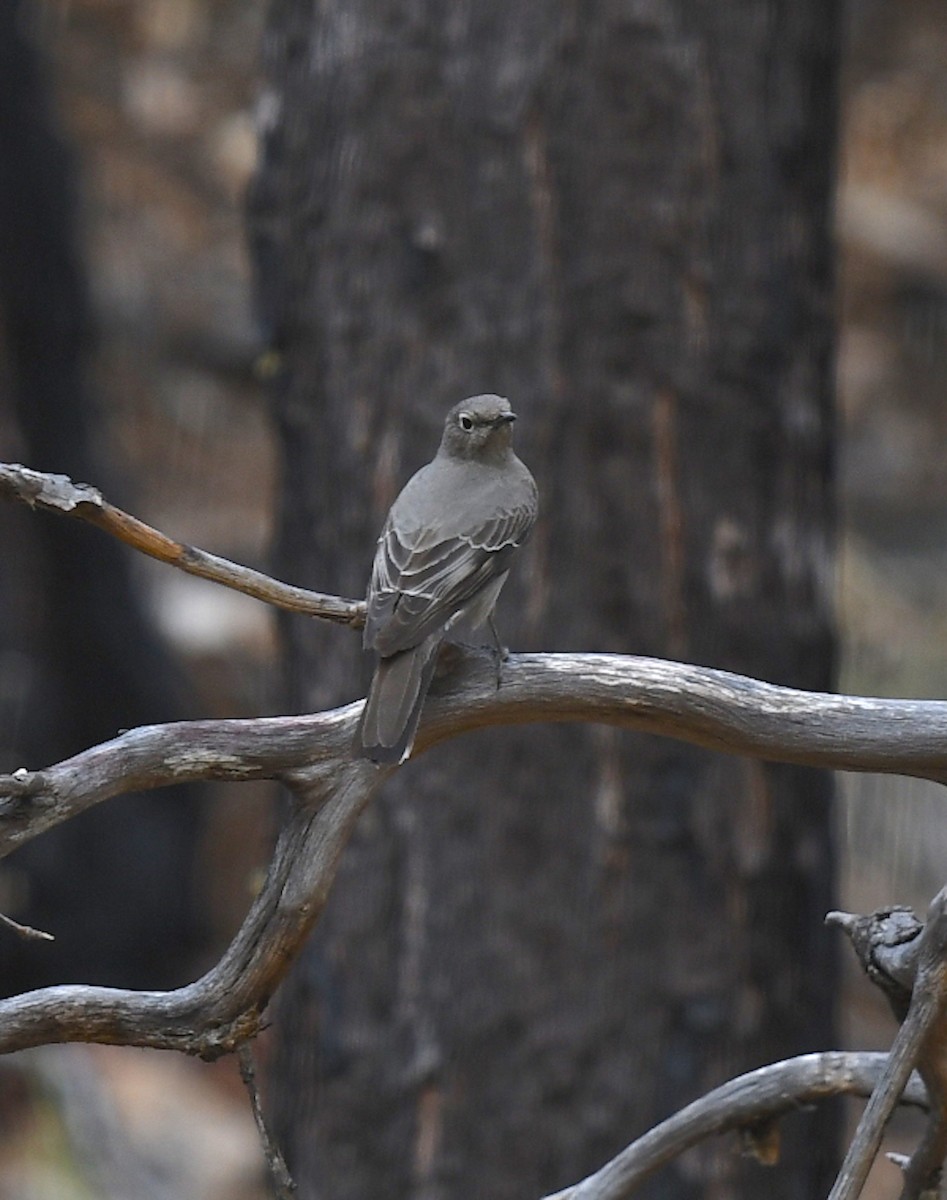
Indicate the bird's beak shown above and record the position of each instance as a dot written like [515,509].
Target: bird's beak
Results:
[504,419]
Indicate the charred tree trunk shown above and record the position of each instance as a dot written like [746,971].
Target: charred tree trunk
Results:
[542,941]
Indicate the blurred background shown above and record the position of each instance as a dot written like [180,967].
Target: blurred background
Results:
[155,102]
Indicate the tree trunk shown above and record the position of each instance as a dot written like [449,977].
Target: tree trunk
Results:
[542,941]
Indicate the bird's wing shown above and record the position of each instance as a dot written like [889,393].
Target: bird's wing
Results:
[419,580]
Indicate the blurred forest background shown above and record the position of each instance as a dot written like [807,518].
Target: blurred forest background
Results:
[156,99]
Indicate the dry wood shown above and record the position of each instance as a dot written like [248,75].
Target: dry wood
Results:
[282,1182]
[58,494]
[909,962]
[749,1101]
[311,756]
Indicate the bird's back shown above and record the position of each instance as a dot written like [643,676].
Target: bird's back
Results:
[450,498]
[449,534]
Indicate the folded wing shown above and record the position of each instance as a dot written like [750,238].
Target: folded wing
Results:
[419,581]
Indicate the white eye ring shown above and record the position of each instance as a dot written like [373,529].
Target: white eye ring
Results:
[465,422]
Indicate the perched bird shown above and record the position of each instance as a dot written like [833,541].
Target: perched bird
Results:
[442,558]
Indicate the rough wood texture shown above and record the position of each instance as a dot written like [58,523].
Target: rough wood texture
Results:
[753,1101]
[908,961]
[311,755]
[222,1011]
[59,494]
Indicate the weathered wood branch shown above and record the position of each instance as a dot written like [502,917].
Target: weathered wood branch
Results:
[743,1104]
[58,494]
[908,961]
[311,755]
[711,708]
[213,1015]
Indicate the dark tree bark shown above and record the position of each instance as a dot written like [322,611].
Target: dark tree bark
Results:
[618,215]
[80,659]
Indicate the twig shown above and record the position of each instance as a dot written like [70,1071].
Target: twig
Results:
[759,1096]
[284,1187]
[26,931]
[58,494]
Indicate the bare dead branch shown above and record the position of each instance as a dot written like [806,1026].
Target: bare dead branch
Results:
[223,1008]
[758,1097]
[711,708]
[26,931]
[716,709]
[922,1175]
[311,755]
[894,947]
[58,494]
[886,943]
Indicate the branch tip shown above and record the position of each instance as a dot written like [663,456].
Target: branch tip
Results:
[841,920]
[26,931]
[284,1186]
[58,494]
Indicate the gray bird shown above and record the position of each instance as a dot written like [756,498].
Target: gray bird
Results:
[442,558]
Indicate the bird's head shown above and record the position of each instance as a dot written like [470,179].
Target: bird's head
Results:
[479,428]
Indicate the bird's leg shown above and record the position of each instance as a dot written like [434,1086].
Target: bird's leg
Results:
[500,652]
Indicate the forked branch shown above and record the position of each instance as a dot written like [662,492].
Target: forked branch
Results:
[908,961]
[745,1105]
[312,756]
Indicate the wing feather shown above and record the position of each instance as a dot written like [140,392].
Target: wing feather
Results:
[420,580]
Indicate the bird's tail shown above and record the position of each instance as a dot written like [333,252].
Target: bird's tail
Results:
[392,709]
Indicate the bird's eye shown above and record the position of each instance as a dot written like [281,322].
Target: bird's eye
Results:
[465,422]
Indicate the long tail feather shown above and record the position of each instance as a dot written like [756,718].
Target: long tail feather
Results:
[392,709]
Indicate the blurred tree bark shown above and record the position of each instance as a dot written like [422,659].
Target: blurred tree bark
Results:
[618,215]
[80,658]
